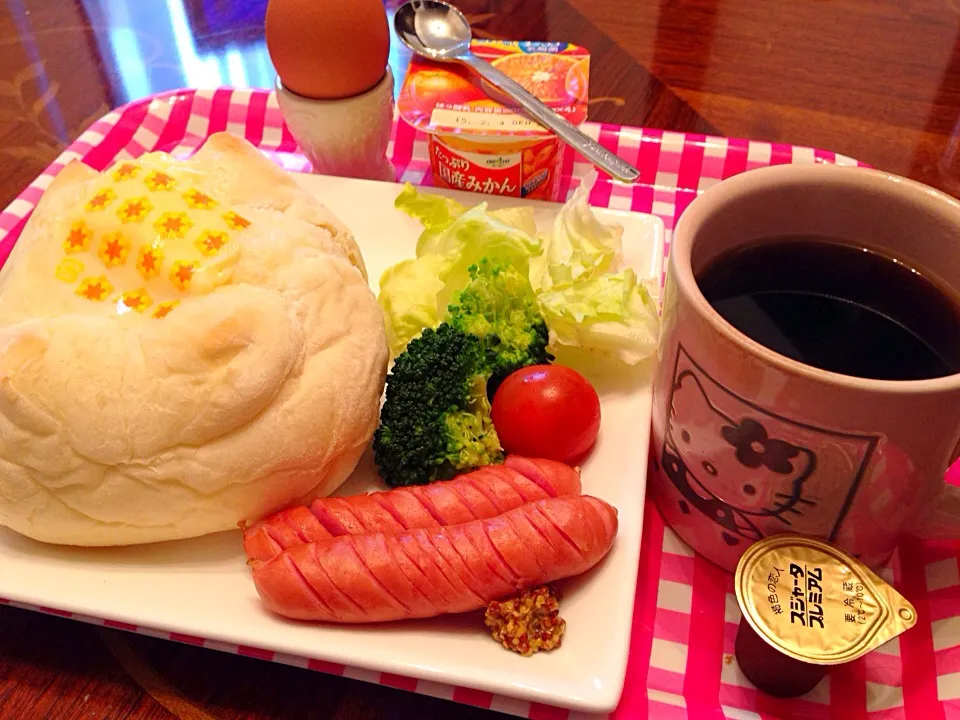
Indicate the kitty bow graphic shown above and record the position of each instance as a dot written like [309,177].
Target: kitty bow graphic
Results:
[736,472]
[755,448]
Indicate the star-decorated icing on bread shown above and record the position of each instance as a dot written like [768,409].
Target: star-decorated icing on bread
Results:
[150,261]
[134,210]
[182,273]
[138,300]
[126,171]
[78,239]
[235,221]
[165,308]
[101,200]
[114,249]
[173,225]
[157,180]
[210,242]
[95,288]
[197,200]
[68,270]
[163,236]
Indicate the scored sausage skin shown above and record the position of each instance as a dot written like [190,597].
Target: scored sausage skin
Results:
[486,492]
[424,572]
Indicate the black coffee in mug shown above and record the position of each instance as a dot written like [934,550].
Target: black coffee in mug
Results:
[838,307]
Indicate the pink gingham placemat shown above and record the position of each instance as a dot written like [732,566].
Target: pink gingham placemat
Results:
[681,657]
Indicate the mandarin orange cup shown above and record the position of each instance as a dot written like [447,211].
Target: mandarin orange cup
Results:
[476,139]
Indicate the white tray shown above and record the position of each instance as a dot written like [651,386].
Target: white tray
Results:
[202,587]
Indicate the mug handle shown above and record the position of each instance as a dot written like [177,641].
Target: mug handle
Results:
[943,520]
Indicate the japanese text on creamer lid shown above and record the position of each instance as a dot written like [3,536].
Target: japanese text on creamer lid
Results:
[815,603]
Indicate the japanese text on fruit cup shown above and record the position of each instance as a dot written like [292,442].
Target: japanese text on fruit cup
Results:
[806,598]
[853,603]
[480,119]
[459,172]
[773,585]
[453,163]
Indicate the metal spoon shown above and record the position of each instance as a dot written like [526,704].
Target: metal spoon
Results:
[439,31]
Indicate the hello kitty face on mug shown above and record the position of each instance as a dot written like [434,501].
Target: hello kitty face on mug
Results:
[732,470]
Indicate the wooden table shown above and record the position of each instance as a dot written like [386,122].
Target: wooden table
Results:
[878,80]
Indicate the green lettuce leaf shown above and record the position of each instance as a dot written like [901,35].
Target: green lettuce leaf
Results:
[477,234]
[520,217]
[611,315]
[588,299]
[408,297]
[414,294]
[437,213]
[580,246]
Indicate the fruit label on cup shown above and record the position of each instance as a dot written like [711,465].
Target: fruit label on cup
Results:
[528,170]
[481,120]
[478,140]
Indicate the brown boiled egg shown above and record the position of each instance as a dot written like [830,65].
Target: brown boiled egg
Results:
[328,49]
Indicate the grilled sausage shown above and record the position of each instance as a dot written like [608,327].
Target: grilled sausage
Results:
[483,493]
[379,577]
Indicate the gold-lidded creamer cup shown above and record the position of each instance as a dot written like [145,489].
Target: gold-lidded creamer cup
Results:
[808,606]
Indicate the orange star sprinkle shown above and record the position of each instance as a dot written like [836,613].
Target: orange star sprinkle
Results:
[137,300]
[236,222]
[101,200]
[159,181]
[114,249]
[94,288]
[126,171]
[210,242]
[173,225]
[164,308]
[134,210]
[149,261]
[199,201]
[78,240]
[182,273]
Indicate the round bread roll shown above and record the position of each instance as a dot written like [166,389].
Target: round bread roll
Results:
[183,346]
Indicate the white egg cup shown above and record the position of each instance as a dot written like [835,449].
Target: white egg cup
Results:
[346,137]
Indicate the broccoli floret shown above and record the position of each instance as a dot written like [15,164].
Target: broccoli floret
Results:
[435,421]
[499,307]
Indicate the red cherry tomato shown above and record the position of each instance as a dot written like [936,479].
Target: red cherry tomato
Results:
[547,411]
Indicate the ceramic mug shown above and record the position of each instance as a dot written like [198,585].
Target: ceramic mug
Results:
[748,443]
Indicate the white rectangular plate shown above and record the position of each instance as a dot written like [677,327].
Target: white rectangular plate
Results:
[202,587]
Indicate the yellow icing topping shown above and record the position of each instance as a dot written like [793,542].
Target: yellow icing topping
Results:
[101,200]
[159,181]
[150,261]
[173,225]
[126,171]
[182,273]
[137,300]
[164,308]
[236,222]
[134,210]
[113,250]
[198,200]
[68,270]
[94,288]
[142,246]
[211,241]
[78,239]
